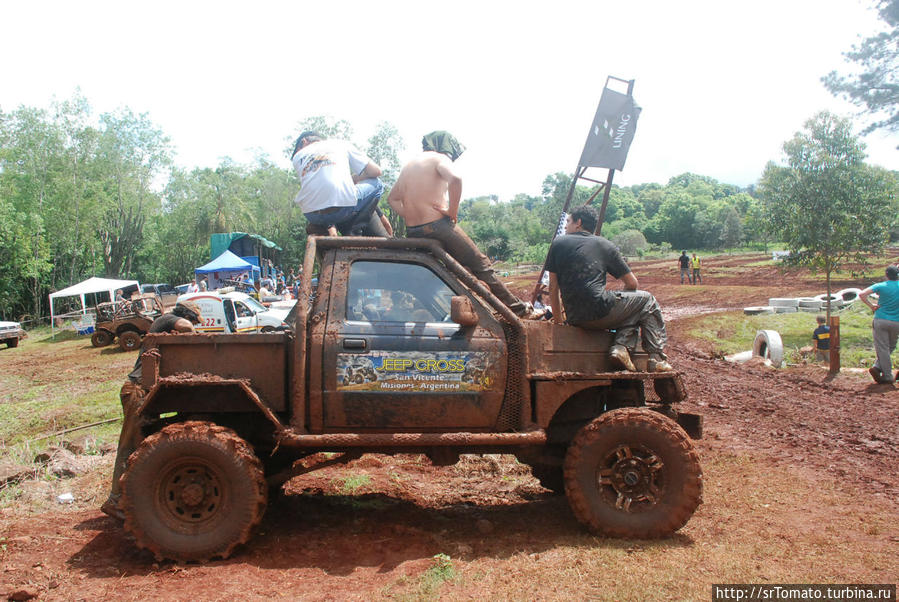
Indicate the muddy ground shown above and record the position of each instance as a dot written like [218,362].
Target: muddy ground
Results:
[329,537]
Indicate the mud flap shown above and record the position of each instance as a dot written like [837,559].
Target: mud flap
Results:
[691,423]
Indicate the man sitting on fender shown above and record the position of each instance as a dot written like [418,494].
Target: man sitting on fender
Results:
[577,264]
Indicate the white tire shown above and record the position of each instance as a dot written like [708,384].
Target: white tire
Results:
[784,302]
[758,309]
[768,345]
[833,298]
[848,294]
[786,310]
[810,305]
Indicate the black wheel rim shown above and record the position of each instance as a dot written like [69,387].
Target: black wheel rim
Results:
[631,478]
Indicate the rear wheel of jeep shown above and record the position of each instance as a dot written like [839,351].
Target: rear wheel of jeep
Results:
[129,340]
[101,338]
[12,343]
[633,473]
[193,491]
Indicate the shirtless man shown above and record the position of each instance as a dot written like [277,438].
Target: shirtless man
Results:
[427,195]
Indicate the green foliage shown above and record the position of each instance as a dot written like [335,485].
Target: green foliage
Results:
[826,204]
[875,84]
[733,332]
[441,570]
[349,484]
[84,195]
[631,242]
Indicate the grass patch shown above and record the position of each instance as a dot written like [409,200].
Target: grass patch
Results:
[441,570]
[350,484]
[732,332]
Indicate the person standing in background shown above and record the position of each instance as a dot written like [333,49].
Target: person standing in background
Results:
[886,323]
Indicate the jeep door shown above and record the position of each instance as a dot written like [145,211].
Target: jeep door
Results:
[391,357]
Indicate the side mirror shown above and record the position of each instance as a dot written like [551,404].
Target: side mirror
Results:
[462,311]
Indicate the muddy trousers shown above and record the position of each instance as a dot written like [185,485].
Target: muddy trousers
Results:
[685,273]
[633,311]
[130,396]
[886,333]
[462,248]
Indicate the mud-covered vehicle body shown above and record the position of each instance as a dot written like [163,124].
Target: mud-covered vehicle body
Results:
[11,333]
[225,417]
[128,321]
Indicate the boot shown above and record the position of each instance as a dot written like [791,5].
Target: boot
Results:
[658,363]
[621,358]
[875,373]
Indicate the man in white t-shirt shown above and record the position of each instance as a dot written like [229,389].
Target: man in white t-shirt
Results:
[339,185]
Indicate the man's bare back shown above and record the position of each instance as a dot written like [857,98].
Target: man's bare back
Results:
[420,193]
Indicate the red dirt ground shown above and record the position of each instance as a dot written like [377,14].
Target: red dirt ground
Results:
[319,543]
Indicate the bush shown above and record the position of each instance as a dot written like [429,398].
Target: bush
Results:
[631,242]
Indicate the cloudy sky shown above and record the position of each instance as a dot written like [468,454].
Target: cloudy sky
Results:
[722,84]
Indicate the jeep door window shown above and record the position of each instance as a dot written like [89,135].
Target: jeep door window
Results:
[396,292]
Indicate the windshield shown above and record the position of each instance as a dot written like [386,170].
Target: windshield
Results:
[254,305]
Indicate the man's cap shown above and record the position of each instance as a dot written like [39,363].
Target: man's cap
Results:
[892,272]
[440,141]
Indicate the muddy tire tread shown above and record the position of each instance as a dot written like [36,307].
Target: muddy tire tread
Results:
[192,431]
[645,419]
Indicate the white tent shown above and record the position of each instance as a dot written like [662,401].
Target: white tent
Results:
[91,285]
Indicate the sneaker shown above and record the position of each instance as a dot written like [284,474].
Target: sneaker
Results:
[875,373]
[657,364]
[621,358]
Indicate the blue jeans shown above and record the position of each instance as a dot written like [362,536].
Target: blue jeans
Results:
[367,194]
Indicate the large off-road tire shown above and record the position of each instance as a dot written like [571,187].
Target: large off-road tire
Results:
[129,340]
[12,343]
[193,491]
[102,338]
[633,473]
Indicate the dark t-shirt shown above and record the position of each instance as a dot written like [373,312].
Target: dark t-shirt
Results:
[580,262]
[684,262]
[822,335]
[164,323]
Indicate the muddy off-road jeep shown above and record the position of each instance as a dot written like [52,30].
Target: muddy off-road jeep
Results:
[224,418]
[128,321]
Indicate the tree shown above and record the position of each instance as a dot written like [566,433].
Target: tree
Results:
[876,85]
[630,242]
[826,203]
[732,230]
[384,147]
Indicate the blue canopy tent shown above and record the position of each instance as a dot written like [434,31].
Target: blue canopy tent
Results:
[227,266]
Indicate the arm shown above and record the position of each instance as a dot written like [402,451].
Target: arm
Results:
[555,300]
[864,297]
[371,170]
[395,198]
[630,281]
[454,185]
[183,325]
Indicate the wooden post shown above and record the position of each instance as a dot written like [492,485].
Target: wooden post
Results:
[834,344]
